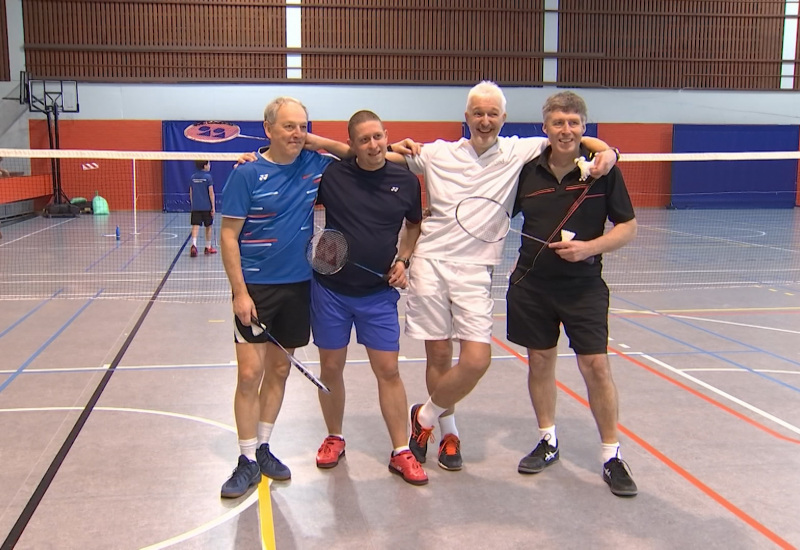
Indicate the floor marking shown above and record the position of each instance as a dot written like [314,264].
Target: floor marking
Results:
[35,232]
[728,369]
[708,491]
[729,397]
[199,530]
[265,514]
[734,324]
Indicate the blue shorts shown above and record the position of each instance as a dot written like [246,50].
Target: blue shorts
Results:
[375,318]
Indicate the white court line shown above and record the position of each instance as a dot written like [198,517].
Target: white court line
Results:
[199,530]
[735,324]
[731,369]
[35,232]
[746,405]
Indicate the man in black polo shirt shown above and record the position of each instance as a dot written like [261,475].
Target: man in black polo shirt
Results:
[561,282]
[367,199]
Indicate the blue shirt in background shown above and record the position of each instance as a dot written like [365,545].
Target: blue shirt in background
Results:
[201,181]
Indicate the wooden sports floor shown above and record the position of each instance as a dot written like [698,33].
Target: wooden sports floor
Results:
[117,375]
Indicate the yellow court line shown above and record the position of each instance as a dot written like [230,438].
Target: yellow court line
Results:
[265,514]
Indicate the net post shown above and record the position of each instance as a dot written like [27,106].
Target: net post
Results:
[135,208]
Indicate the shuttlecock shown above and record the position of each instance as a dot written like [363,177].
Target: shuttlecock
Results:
[584,166]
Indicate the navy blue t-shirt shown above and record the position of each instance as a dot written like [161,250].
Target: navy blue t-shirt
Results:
[201,181]
[276,202]
[368,207]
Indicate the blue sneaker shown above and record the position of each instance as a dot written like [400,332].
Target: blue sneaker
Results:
[270,465]
[243,477]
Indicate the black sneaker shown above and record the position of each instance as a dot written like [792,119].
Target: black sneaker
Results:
[540,458]
[450,453]
[616,474]
[243,477]
[270,465]
[418,442]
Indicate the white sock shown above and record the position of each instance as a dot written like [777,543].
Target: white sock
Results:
[549,431]
[611,450]
[264,432]
[247,447]
[194,241]
[448,425]
[428,413]
[399,450]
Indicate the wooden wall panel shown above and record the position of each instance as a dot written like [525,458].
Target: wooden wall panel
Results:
[155,41]
[418,41]
[730,44]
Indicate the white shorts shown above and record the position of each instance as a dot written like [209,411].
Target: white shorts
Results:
[449,300]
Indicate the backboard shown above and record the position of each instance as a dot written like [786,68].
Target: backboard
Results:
[47,95]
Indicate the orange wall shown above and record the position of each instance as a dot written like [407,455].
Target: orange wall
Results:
[24,187]
[112,178]
[648,183]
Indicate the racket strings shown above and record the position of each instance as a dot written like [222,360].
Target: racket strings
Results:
[483,219]
[327,252]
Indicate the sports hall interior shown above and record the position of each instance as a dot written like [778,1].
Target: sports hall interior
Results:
[117,363]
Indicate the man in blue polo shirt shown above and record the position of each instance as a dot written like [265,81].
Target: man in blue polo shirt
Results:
[268,209]
[367,199]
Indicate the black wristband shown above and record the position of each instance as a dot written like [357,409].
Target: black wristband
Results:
[389,148]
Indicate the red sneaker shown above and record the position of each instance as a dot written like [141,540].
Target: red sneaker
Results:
[329,453]
[405,465]
[193,251]
[210,250]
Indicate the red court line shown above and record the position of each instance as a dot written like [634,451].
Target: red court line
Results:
[739,513]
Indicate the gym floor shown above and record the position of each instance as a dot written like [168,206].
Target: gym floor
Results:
[116,417]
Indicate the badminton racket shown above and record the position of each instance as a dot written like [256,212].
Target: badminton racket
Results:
[487,220]
[328,253]
[258,328]
[215,132]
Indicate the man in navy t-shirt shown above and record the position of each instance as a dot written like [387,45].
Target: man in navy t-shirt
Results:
[366,199]
[268,209]
[201,198]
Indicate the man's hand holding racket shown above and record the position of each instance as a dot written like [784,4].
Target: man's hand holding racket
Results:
[397,276]
[244,308]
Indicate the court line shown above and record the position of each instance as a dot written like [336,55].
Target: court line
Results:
[200,529]
[31,312]
[727,369]
[33,503]
[142,249]
[47,342]
[729,397]
[708,491]
[716,356]
[35,232]
[265,518]
[746,325]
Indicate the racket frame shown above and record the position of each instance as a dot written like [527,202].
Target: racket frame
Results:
[341,264]
[292,359]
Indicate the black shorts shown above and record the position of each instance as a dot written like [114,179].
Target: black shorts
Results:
[284,309]
[535,311]
[202,217]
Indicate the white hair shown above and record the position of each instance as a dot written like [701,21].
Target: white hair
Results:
[487,88]
[271,110]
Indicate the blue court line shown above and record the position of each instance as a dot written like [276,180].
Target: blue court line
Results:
[715,355]
[31,312]
[136,255]
[49,341]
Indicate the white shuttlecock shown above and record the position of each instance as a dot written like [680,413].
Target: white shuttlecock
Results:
[584,166]
[567,235]
[90,166]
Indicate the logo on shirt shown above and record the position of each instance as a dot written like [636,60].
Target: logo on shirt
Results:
[263,177]
[395,189]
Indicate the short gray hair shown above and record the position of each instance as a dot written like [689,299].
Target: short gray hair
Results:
[566,102]
[272,108]
[487,88]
